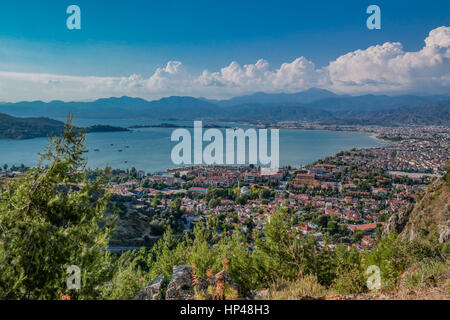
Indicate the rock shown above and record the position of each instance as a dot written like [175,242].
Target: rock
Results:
[444,237]
[262,294]
[152,291]
[428,218]
[180,286]
[397,222]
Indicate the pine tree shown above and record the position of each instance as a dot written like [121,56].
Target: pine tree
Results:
[51,219]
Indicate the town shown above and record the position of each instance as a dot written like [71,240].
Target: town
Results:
[345,198]
[341,199]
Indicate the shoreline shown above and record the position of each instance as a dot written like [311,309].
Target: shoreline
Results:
[170,166]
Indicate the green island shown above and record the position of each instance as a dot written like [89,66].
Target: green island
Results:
[28,128]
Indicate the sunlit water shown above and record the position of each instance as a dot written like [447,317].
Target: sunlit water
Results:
[149,149]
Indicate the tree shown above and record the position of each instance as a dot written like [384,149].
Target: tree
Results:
[52,219]
[214,202]
[264,194]
[133,172]
[155,202]
[279,254]
[175,205]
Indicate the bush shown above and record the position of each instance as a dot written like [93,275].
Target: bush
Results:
[427,273]
[350,277]
[297,289]
[128,278]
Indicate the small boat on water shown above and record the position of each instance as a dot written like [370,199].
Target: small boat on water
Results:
[126,161]
[120,150]
[96,149]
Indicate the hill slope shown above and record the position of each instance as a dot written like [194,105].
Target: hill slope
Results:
[27,128]
[311,106]
[428,218]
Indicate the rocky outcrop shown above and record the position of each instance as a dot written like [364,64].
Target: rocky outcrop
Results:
[153,290]
[444,236]
[397,222]
[429,218]
[186,285]
[180,286]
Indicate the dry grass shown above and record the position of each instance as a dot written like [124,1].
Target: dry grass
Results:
[306,286]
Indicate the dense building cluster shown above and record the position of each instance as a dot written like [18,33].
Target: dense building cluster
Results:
[340,199]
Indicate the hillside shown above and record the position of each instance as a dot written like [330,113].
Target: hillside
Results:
[314,105]
[437,113]
[429,218]
[28,128]
[307,96]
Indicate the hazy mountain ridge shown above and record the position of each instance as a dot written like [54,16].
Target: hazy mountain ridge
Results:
[307,96]
[314,105]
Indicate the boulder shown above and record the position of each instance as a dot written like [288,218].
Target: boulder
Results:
[152,291]
[397,222]
[180,286]
[444,237]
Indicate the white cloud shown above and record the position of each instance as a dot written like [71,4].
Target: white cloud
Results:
[381,68]
[387,68]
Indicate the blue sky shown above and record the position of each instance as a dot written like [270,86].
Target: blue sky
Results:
[136,37]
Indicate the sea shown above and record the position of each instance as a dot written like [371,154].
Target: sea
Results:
[149,149]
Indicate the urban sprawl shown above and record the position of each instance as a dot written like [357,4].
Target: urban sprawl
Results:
[345,198]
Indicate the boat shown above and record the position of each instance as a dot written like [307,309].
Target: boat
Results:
[96,149]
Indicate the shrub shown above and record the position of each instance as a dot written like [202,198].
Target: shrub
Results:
[305,286]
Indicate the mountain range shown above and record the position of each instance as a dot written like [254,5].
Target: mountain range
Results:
[313,105]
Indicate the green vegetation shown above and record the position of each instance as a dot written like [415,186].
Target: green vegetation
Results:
[287,266]
[54,217]
[51,219]
[447,176]
[27,128]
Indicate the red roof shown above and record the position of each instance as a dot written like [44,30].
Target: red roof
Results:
[366,226]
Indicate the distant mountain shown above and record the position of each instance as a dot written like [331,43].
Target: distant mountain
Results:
[124,107]
[307,96]
[272,112]
[27,128]
[437,113]
[314,105]
[373,102]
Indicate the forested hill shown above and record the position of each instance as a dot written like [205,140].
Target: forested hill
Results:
[309,106]
[27,128]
